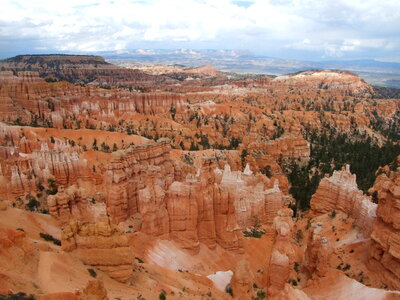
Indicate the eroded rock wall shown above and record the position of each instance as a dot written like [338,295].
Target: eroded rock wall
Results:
[385,245]
[212,206]
[340,192]
[136,181]
[21,172]
[101,245]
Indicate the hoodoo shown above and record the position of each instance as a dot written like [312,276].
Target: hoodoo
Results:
[177,182]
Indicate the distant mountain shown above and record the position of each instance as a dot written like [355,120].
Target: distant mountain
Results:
[82,69]
[242,61]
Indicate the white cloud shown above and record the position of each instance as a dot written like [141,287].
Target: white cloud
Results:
[330,28]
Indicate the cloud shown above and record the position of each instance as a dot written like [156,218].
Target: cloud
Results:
[322,28]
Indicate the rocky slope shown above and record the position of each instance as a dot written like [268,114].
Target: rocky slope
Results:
[193,185]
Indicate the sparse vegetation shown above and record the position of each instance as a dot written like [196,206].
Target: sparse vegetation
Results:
[296,266]
[50,238]
[33,204]
[266,171]
[17,296]
[162,295]
[52,187]
[187,159]
[346,267]
[292,282]
[228,289]
[260,295]
[299,236]
[140,261]
[331,151]
[92,273]
[243,156]
[255,231]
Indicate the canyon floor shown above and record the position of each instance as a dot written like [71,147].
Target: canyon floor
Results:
[171,182]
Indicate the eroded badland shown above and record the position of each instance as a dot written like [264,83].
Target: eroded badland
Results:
[189,184]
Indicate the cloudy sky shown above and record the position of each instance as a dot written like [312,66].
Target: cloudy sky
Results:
[300,29]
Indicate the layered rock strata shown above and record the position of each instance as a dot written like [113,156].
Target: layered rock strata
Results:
[28,99]
[290,147]
[340,192]
[136,181]
[212,206]
[385,245]
[22,172]
[101,245]
[71,203]
[81,69]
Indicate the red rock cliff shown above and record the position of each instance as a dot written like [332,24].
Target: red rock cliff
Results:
[102,245]
[385,246]
[340,192]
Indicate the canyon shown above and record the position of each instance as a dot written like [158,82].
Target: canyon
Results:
[183,183]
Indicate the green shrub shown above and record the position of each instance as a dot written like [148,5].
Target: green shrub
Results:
[92,273]
[228,289]
[260,295]
[256,231]
[163,295]
[52,187]
[17,296]
[140,261]
[50,238]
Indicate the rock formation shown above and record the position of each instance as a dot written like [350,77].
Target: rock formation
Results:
[292,147]
[81,69]
[71,203]
[242,281]
[218,209]
[24,171]
[385,246]
[136,180]
[291,293]
[186,165]
[346,82]
[101,245]
[282,257]
[318,252]
[212,206]
[58,296]
[340,192]
[94,290]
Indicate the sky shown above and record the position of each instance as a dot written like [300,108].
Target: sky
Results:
[293,29]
